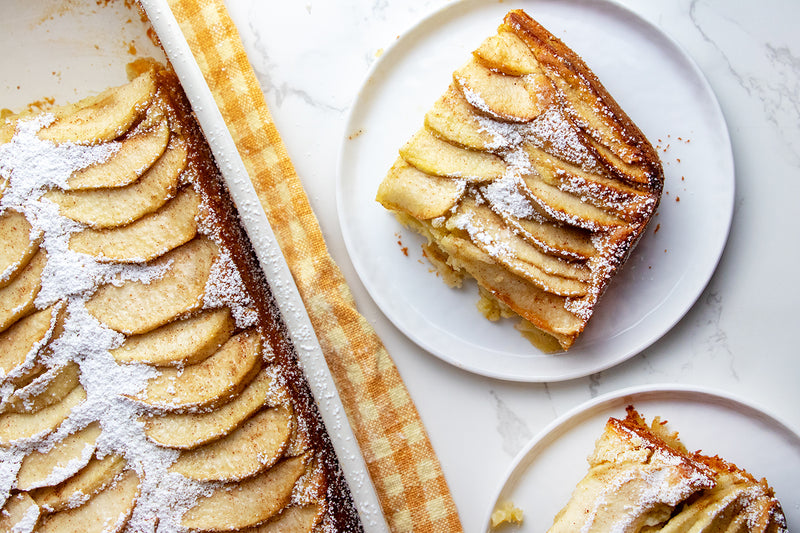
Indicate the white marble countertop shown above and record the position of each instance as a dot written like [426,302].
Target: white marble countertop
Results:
[311,58]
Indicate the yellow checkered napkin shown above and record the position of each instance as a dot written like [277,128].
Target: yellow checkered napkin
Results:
[398,453]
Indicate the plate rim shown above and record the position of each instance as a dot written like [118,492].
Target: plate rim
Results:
[588,408]
[636,346]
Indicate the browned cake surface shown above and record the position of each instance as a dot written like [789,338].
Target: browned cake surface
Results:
[147,380]
[641,478]
[529,177]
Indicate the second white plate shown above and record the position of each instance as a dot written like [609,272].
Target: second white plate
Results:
[543,476]
[657,84]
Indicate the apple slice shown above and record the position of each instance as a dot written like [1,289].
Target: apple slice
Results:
[103,117]
[541,308]
[487,232]
[210,382]
[435,156]
[453,119]
[135,155]
[181,342]
[553,237]
[250,502]
[255,445]
[19,509]
[76,490]
[294,519]
[567,207]
[190,430]
[40,469]
[137,307]
[107,512]
[507,53]
[498,95]
[108,208]
[16,298]
[419,194]
[16,247]
[16,426]
[25,335]
[47,389]
[146,238]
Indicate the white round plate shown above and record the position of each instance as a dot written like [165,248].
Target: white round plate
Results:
[657,84]
[543,476]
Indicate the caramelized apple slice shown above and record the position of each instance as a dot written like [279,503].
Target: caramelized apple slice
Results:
[251,502]
[135,155]
[106,512]
[507,53]
[107,208]
[189,430]
[25,335]
[16,298]
[182,342]
[15,426]
[567,207]
[255,445]
[47,389]
[498,95]
[19,509]
[76,490]
[136,307]
[453,119]
[434,156]
[103,117]
[488,233]
[295,519]
[40,469]
[210,382]
[146,238]
[541,308]
[16,247]
[419,194]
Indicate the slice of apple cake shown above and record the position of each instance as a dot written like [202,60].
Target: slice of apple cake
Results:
[147,382]
[528,177]
[642,479]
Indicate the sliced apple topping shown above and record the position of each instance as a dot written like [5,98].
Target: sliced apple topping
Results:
[16,247]
[136,153]
[561,240]
[103,117]
[251,502]
[498,95]
[137,307]
[18,508]
[25,335]
[190,430]
[106,512]
[507,53]
[453,119]
[181,342]
[419,194]
[65,458]
[434,156]
[47,389]
[16,298]
[146,238]
[91,479]
[255,445]
[111,207]
[16,426]
[295,519]
[210,382]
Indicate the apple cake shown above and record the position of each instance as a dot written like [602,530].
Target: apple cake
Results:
[528,177]
[147,382]
[642,479]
